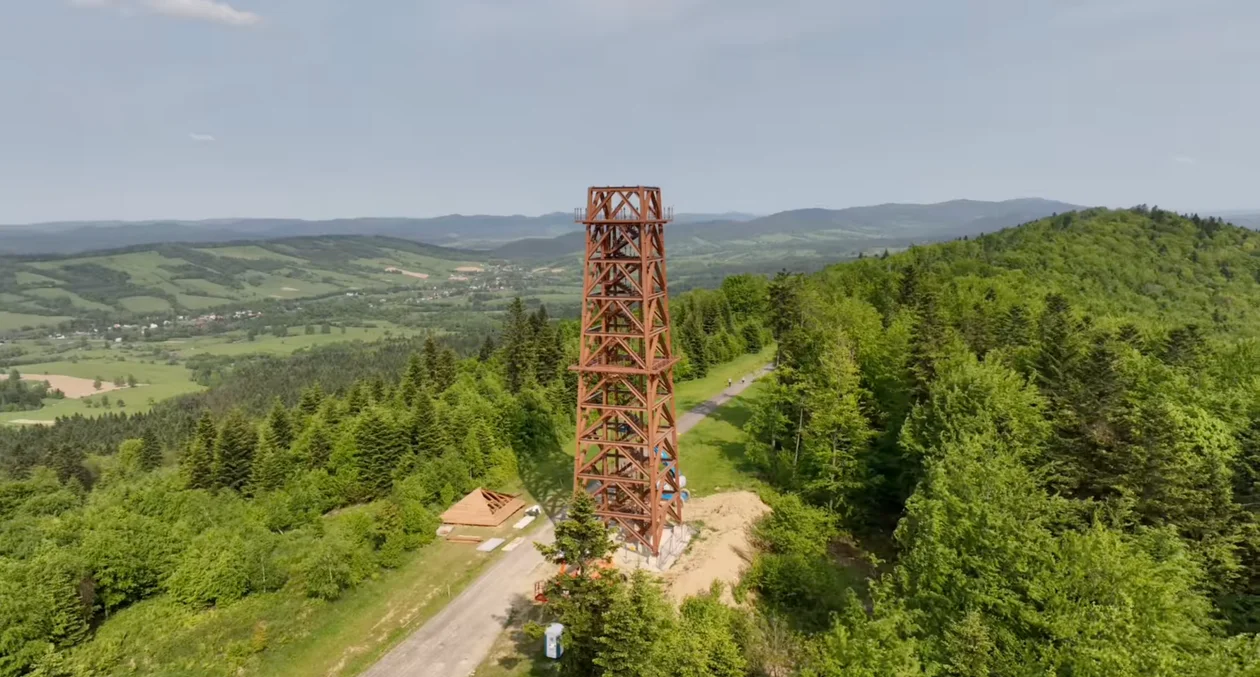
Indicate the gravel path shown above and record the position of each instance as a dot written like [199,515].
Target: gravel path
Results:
[456,641]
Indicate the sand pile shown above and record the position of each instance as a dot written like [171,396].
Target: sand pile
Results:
[721,551]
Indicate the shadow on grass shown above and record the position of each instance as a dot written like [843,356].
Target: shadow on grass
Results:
[526,658]
[547,473]
[736,414]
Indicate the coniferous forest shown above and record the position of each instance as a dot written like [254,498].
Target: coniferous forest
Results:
[1031,453]
[1035,452]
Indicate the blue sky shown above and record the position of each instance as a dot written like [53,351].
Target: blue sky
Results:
[135,109]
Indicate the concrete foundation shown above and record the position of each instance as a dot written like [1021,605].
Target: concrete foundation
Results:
[674,542]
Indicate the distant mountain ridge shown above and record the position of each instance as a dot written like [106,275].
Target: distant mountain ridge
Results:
[454,230]
[878,222]
[826,231]
[72,237]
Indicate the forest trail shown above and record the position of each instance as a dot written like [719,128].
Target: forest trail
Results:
[455,641]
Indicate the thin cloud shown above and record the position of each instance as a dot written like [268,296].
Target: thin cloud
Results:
[196,10]
[205,10]
[1184,160]
[202,138]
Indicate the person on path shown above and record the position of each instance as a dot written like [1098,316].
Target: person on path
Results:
[728,383]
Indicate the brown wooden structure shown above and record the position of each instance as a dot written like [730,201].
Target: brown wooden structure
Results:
[627,444]
[483,508]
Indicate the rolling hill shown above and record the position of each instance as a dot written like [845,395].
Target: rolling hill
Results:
[194,277]
[453,230]
[1147,266]
[818,233]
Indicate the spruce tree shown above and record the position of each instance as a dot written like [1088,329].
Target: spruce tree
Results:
[636,625]
[272,466]
[447,369]
[331,412]
[1185,346]
[381,445]
[428,435]
[580,601]
[487,349]
[376,390]
[197,465]
[1016,327]
[315,445]
[207,431]
[474,456]
[431,357]
[1059,349]
[67,461]
[550,353]
[150,455]
[356,400]
[413,380]
[581,538]
[279,430]
[312,397]
[693,344]
[234,452]
[518,355]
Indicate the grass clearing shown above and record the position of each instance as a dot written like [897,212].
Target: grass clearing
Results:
[236,344]
[10,320]
[689,394]
[195,302]
[158,379]
[51,293]
[712,453]
[249,253]
[157,382]
[26,277]
[145,304]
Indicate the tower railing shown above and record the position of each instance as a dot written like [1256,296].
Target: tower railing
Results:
[587,215]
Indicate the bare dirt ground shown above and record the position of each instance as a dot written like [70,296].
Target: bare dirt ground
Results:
[468,269]
[721,550]
[72,386]
[408,273]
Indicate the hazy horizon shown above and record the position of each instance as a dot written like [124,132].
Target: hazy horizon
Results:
[141,110]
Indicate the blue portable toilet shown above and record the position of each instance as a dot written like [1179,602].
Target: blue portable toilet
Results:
[552,634]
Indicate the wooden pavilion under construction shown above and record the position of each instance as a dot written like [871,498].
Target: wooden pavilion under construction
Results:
[483,508]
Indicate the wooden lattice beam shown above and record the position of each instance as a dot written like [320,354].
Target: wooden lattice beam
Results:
[627,448]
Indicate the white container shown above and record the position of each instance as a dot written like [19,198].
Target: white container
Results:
[552,635]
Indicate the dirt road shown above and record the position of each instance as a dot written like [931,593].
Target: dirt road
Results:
[455,641]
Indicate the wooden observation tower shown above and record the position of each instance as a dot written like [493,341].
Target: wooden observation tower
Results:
[627,444]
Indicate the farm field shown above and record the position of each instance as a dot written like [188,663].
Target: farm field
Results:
[236,343]
[10,321]
[157,378]
[164,278]
[155,382]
